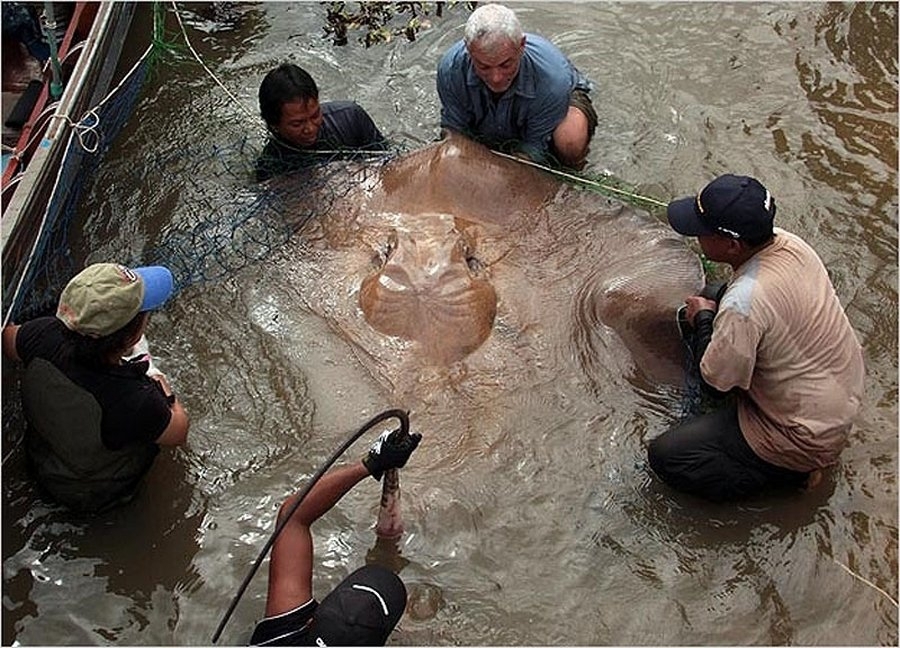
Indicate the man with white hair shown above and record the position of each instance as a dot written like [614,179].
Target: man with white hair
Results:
[515,92]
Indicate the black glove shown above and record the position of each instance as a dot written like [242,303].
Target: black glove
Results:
[714,291]
[390,450]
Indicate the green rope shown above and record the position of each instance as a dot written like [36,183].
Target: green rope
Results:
[614,188]
[606,184]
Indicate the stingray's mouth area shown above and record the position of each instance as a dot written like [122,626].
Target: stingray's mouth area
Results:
[426,291]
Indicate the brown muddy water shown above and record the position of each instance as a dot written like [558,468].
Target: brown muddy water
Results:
[531,515]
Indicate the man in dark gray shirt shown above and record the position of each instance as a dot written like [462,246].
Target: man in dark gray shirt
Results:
[300,126]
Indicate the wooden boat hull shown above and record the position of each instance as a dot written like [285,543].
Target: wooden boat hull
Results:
[33,185]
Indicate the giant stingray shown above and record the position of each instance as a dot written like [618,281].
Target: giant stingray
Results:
[454,266]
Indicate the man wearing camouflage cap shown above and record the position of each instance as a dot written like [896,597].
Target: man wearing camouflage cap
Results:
[95,418]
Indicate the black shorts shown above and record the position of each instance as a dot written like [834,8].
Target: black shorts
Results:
[581,99]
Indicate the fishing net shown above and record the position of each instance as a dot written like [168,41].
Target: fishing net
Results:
[215,219]
[218,235]
[221,219]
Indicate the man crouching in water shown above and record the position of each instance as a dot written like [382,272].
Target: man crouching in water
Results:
[777,339]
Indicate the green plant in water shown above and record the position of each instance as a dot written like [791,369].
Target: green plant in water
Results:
[162,44]
[380,21]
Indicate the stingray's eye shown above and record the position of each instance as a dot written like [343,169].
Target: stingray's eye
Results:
[390,245]
[465,248]
[462,249]
[384,251]
[474,263]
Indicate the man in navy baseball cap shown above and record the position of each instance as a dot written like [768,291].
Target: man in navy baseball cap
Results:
[775,339]
[737,207]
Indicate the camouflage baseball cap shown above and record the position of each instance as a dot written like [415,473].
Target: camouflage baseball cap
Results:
[104,297]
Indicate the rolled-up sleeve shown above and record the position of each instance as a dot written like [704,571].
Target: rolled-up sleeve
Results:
[730,358]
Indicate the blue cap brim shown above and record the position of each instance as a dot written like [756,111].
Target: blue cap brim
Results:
[684,218]
[158,286]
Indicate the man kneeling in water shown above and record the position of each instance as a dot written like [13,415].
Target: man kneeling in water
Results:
[777,339]
[364,608]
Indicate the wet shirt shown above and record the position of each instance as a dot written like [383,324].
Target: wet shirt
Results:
[134,408]
[781,336]
[522,118]
[345,126]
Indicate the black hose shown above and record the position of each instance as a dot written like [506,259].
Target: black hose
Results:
[404,427]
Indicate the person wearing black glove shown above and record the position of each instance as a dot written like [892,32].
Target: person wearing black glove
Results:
[364,608]
[390,450]
[695,323]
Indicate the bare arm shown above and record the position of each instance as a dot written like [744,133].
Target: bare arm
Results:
[10,331]
[177,429]
[290,567]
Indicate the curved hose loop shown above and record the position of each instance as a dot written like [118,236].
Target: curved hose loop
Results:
[399,414]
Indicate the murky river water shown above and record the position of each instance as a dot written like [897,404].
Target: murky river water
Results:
[531,515]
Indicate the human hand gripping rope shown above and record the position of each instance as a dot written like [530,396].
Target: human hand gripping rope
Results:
[390,451]
[388,454]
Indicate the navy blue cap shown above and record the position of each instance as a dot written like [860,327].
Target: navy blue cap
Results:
[738,207]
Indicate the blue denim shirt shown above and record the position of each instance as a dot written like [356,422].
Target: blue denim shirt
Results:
[522,118]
